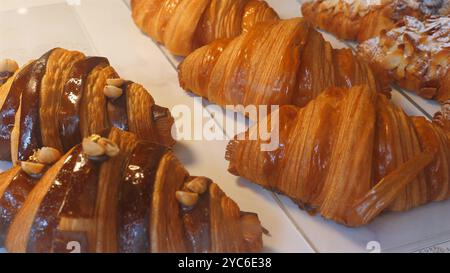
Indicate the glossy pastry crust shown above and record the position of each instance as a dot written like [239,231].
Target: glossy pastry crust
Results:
[127,203]
[60,98]
[416,56]
[184,25]
[276,63]
[355,20]
[349,156]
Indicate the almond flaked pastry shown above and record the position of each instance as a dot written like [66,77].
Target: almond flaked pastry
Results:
[187,199]
[416,55]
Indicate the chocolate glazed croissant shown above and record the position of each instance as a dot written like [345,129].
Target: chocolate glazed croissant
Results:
[275,63]
[135,197]
[350,155]
[64,96]
[182,26]
[416,56]
[358,21]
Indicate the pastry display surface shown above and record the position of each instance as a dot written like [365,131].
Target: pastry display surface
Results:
[358,20]
[349,156]
[118,194]
[86,34]
[183,26]
[416,56]
[137,58]
[276,63]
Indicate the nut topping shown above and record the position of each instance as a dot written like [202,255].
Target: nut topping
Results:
[187,199]
[115,82]
[92,148]
[198,185]
[111,148]
[8,65]
[32,168]
[97,146]
[112,91]
[47,155]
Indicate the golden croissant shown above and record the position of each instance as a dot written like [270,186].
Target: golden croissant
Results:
[183,26]
[136,197]
[63,96]
[349,156]
[275,63]
[358,21]
[416,56]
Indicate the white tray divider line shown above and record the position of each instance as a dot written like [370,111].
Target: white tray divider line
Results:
[127,3]
[405,94]
[296,225]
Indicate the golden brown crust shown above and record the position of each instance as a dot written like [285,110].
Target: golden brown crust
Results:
[166,225]
[279,62]
[58,66]
[325,161]
[182,26]
[225,238]
[415,55]
[93,117]
[355,20]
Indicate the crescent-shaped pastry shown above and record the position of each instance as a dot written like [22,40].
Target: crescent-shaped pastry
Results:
[184,25]
[276,63]
[416,56]
[349,156]
[64,96]
[356,20]
[131,197]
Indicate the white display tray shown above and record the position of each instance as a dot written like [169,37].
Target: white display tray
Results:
[105,27]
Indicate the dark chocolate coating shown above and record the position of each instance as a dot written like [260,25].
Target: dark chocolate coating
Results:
[13,199]
[30,138]
[72,194]
[69,116]
[198,226]
[4,76]
[9,109]
[135,197]
[118,110]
